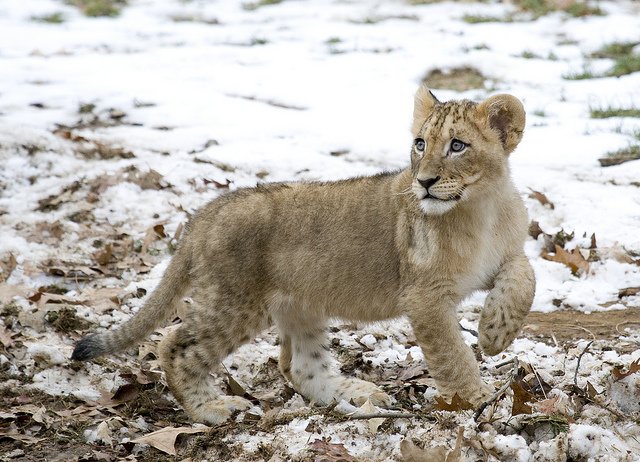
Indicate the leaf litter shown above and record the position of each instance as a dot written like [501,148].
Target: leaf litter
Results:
[105,199]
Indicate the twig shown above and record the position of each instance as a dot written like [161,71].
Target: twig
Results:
[471,331]
[584,395]
[504,363]
[499,393]
[383,415]
[575,374]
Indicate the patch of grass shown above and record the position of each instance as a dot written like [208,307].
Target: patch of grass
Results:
[527,54]
[458,79]
[625,60]
[625,65]
[251,6]
[333,40]
[611,111]
[582,9]
[614,50]
[621,156]
[51,18]
[480,19]
[539,113]
[586,73]
[575,8]
[99,8]
[194,18]
[258,41]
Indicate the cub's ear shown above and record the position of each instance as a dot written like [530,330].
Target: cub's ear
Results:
[504,114]
[422,106]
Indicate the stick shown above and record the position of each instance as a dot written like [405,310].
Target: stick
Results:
[575,374]
[383,415]
[499,393]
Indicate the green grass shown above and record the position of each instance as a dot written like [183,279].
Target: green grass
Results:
[260,3]
[479,19]
[607,112]
[99,8]
[614,50]
[51,18]
[586,73]
[625,65]
[539,113]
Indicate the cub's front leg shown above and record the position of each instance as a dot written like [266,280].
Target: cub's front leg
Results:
[450,361]
[507,305]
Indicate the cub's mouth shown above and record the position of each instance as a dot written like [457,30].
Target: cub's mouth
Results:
[455,197]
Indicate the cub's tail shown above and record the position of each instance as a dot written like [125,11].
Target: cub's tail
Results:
[158,308]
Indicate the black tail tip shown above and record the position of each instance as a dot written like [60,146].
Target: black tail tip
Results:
[87,348]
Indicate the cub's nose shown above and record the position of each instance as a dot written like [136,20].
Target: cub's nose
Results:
[427,183]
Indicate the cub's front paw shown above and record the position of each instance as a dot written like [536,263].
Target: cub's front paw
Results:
[219,410]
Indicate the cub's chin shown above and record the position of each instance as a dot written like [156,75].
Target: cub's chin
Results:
[431,206]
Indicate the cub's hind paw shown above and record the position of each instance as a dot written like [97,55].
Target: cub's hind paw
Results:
[219,410]
[359,391]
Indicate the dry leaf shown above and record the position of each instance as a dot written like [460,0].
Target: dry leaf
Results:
[6,337]
[544,200]
[7,265]
[412,453]
[520,399]
[633,368]
[457,404]
[126,392]
[574,259]
[628,292]
[331,452]
[165,438]
[534,229]
[235,388]
[103,433]
[547,406]
[103,257]
[368,408]
[14,435]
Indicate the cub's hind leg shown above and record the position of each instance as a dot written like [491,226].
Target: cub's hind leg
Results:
[305,360]
[194,350]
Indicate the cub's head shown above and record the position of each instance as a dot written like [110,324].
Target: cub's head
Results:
[460,148]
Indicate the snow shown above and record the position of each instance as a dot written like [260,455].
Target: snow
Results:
[328,95]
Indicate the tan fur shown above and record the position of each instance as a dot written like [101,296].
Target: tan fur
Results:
[364,249]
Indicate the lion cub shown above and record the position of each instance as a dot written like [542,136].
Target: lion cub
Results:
[411,243]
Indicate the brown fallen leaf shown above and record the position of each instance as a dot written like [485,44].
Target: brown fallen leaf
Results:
[633,368]
[126,392]
[165,438]
[534,229]
[574,259]
[7,265]
[547,406]
[374,423]
[331,452]
[103,256]
[457,404]
[520,399]
[540,197]
[628,292]
[412,453]
[235,388]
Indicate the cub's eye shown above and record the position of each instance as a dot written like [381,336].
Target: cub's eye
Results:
[419,144]
[457,145]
